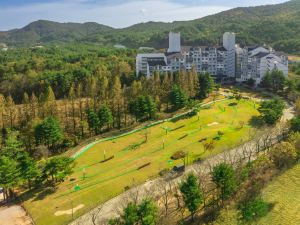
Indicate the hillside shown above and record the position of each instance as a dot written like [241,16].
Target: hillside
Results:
[277,25]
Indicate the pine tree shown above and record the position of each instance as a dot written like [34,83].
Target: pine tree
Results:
[10,108]
[105,117]
[47,102]
[116,100]
[192,195]
[93,121]
[178,98]
[33,105]
[72,98]
[81,107]
[9,175]
[26,107]
[49,132]
[2,109]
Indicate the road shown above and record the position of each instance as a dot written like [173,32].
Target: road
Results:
[153,188]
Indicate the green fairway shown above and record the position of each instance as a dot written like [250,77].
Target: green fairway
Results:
[222,124]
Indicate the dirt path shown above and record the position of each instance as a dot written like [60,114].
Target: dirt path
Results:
[247,151]
[14,215]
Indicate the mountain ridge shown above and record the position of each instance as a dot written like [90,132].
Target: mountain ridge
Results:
[276,25]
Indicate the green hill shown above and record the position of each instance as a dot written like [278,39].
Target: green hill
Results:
[276,25]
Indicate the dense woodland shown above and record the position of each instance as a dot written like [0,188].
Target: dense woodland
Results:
[52,98]
[275,25]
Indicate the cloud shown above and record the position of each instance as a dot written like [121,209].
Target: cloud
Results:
[114,13]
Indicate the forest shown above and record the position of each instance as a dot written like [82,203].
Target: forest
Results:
[52,98]
[274,25]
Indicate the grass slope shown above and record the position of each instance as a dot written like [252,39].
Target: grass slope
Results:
[284,193]
[106,180]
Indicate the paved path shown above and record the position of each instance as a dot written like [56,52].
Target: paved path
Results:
[247,151]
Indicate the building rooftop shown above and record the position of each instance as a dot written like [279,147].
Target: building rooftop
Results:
[157,63]
[261,54]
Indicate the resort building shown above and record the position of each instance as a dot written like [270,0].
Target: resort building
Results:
[227,62]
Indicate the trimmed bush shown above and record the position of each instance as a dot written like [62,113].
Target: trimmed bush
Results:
[178,155]
[105,160]
[177,128]
[145,165]
[183,137]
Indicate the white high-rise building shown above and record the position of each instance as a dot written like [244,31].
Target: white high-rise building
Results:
[229,45]
[174,42]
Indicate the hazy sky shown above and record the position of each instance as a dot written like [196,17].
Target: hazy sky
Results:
[115,13]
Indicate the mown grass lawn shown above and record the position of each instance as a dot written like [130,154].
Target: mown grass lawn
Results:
[106,180]
[283,193]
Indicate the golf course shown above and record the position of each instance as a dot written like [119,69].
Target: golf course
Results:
[106,168]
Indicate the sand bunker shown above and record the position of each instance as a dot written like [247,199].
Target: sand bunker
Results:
[69,212]
[212,124]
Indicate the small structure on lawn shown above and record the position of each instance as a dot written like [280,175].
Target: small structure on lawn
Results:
[180,168]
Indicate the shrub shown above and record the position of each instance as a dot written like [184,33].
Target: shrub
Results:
[105,160]
[232,104]
[295,124]
[260,165]
[254,209]
[177,128]
[164,172]
[145,165]
[184,136]
[220,133]
[178,155]
[283,155]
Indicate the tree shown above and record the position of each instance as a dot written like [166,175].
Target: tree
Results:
[253,209]
[58,168]
[9,175]
[28,168]
[192,195]
[271,111]
[275,80]
[143,107]
[283,155]
[295,124]
[116,99]
[177,98]
[93,121]
[10,107]
[48,132]
[72,98]
[47,100]
[145,213]
[206,85]
[223,176]
[105,117]
[250,82]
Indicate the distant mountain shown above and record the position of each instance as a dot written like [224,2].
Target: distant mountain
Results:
[276,25]
[43,31]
